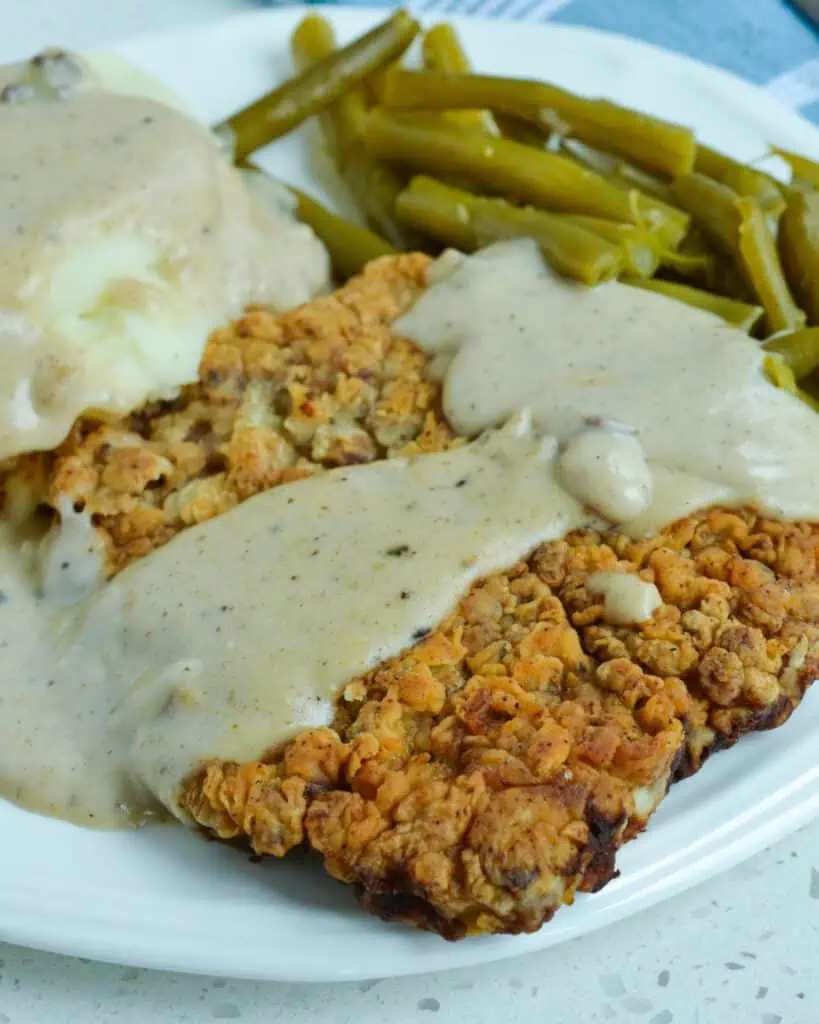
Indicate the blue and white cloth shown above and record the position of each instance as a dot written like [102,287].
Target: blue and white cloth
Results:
[765,41]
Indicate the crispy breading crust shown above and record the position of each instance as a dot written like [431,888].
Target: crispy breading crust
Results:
[476,782]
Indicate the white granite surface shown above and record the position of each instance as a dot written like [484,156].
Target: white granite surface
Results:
[741,949]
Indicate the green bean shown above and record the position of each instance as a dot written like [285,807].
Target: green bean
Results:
[738,314]
[468,222]
[617,171]
[527,132]
[438,211]
[805,171]
[313,41]
[799,250]
[646,141]
[737,226]
[318,86]
[544,179]
[643,251]
[799,350]
[760,261]
[373,186]
[694,260]
[782,376]
[350,247]
[712,207]
[442,51]
[745,181]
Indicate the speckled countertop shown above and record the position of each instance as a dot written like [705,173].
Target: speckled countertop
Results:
[743,948]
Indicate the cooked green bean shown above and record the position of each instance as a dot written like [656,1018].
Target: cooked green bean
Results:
[313,41]
[318,86]
[738,314]
[615,170]
[744,180]
[643,250]
[450,215]
[571,250]
[527,132]
[799,250]
[438,211]
[799,350]
[805,171]
[442,51]
[467,222]
[760,261]
[712,207]
[690,264]
[737,226]
[694,260]
[646,141]
[511,169]
[350,247]
[373,186]
[781,375]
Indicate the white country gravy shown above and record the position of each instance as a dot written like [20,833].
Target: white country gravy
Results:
[125,237]
[242,630]
[509,334]
[626,598]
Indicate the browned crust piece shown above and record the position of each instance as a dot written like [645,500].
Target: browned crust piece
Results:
[476,782]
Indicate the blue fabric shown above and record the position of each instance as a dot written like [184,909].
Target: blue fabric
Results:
[765,41]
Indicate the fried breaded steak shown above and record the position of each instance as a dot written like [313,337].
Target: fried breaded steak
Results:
[474,783]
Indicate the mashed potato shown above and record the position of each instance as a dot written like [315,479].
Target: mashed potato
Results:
[125,238]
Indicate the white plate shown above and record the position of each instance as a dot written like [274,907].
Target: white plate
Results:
[162,897]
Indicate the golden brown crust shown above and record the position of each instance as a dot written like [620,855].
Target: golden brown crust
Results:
[477,781]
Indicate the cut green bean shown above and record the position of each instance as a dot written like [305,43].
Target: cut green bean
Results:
[744,180]
[350,247]
[467,222]
[313,41]
[439,211]
[694,260]
[799,350]
[373,186]
[615,170]
[643,251]
[782,376]
[442,51]
[805,171]
[737,226]
[646,141]
[799,250]
[763,270]
[318,86]
[712,207]
[527,132]
[738,314]
[510,169]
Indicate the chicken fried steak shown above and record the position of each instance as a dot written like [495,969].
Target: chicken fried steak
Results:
[477,781]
